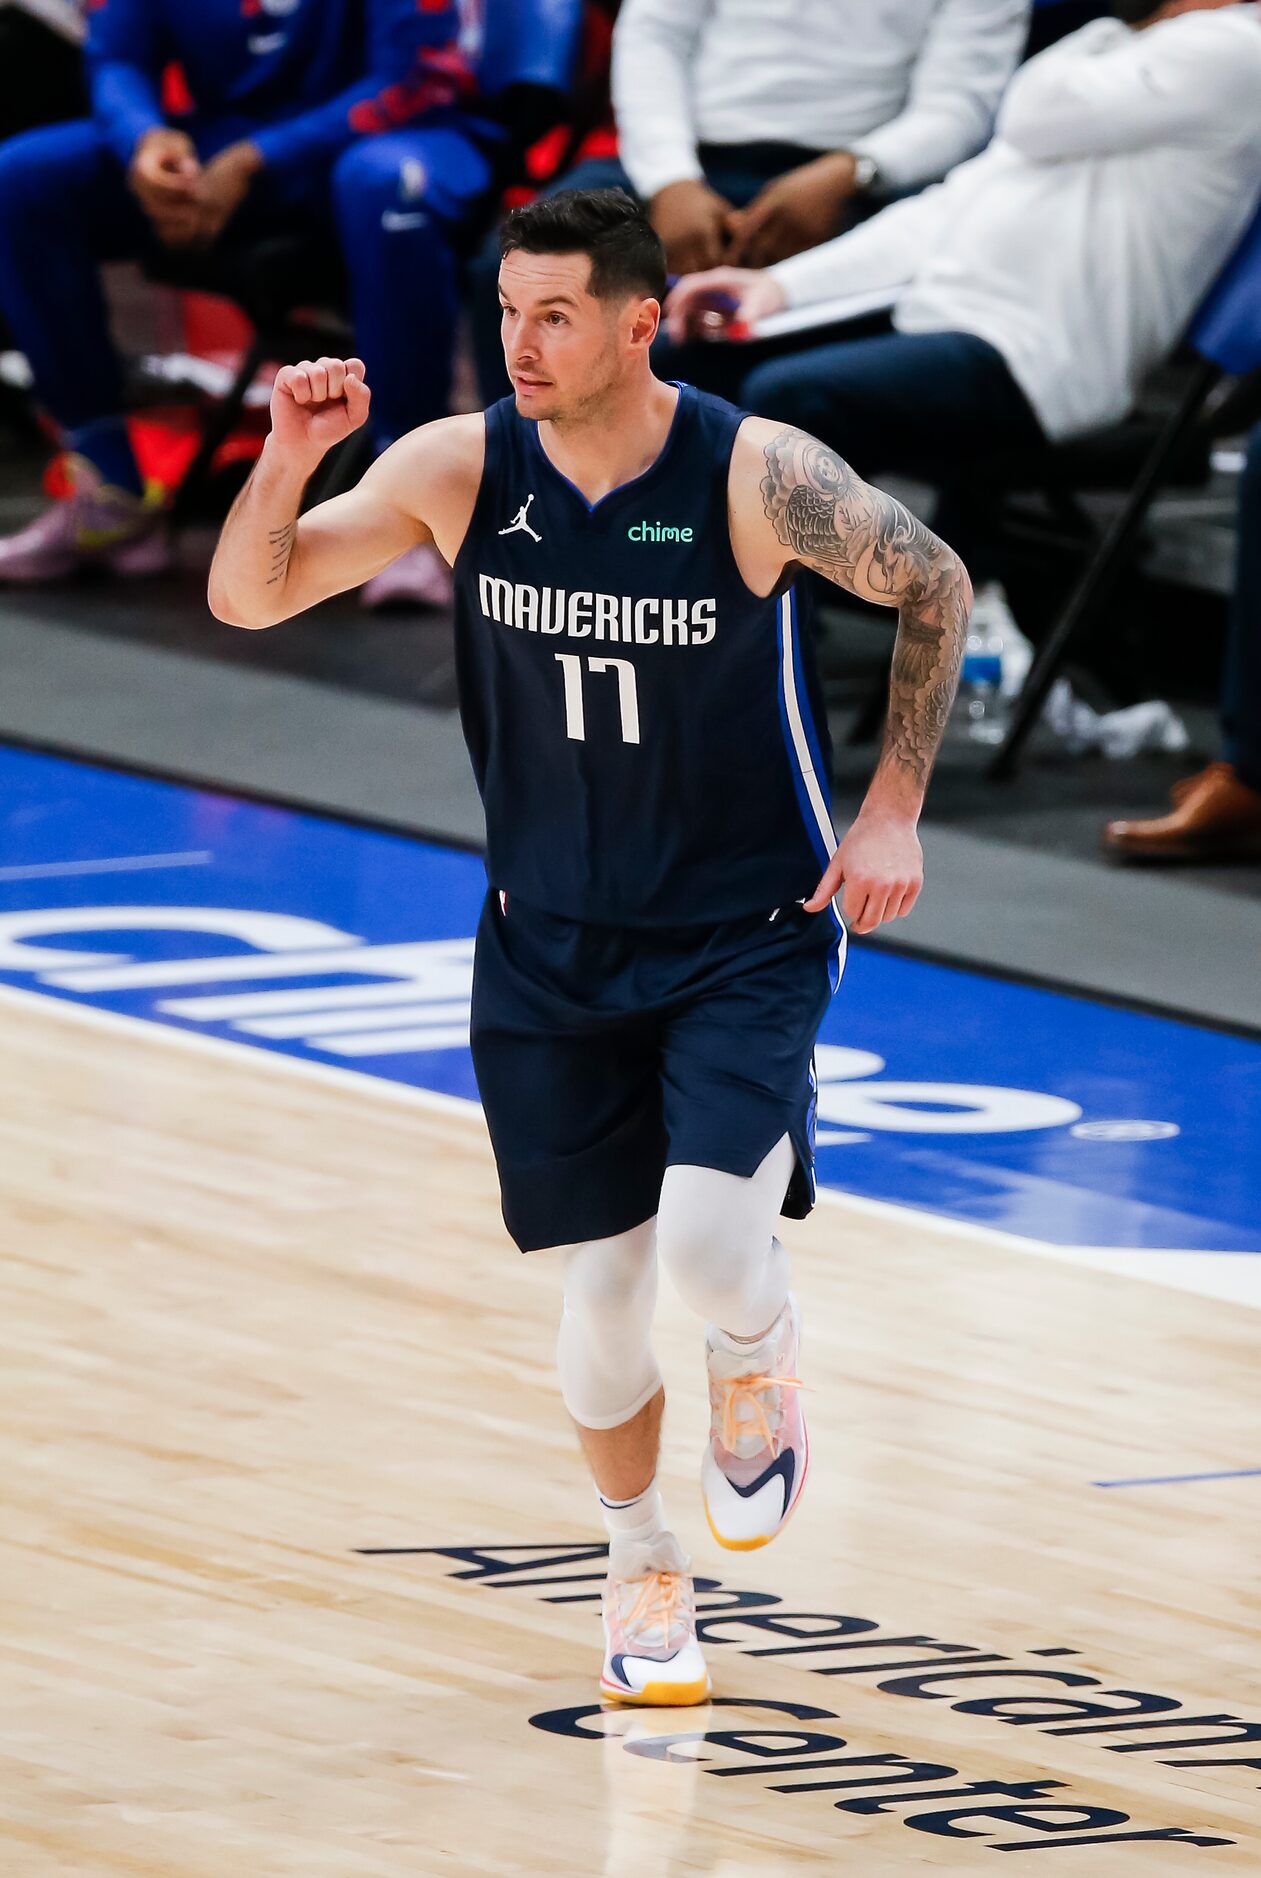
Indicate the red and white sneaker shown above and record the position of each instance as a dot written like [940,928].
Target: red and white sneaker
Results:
[96,526]
[758,1454]
[651,1656]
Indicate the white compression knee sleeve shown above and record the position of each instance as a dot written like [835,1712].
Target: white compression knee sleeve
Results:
[604,1350]
[716,1238]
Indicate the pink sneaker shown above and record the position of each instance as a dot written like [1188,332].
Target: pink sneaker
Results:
[97,526]
[756,1462]
[418,578]
[651,1655]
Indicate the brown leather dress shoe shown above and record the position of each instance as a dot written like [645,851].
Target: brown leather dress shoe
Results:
[1215,817]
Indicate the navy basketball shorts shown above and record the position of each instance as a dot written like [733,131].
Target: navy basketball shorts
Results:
[605,1054]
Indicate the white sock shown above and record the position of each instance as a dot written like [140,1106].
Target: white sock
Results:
[637,1520]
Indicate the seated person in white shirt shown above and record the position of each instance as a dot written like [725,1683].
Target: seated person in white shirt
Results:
[1033,289]
[751,129]
[755,128]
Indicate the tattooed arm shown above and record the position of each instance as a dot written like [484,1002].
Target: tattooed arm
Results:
[817,513]
[271,564]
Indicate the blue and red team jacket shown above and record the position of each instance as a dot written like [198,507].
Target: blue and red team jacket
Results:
[282,66]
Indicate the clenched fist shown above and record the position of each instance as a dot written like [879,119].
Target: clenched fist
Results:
[316,403]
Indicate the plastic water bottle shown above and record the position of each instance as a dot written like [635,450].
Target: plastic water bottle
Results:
[982,709]
[996,658]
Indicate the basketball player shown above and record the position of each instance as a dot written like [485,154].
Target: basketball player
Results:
[660,938]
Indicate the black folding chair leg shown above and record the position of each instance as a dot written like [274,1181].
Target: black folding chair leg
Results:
[219,421]
[1100,575]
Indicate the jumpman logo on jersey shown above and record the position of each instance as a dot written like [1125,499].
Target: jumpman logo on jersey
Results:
[519,525]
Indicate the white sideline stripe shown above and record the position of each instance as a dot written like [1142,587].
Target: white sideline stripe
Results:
[801,744]
[1172,1267]
[292,964]
[122,1025]
[313,999]
[396,1042]
[117,864]
[328,1023]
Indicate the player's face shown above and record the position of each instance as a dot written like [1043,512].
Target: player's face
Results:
[563,347]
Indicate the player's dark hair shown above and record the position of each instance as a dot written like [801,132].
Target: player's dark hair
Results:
[626,252]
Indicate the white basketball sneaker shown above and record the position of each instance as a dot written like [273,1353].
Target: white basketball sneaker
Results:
[651,1656]
[758,1455]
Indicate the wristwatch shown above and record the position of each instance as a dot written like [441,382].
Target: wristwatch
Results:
[866,172]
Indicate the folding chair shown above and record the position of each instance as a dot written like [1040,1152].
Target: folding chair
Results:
[1225,337]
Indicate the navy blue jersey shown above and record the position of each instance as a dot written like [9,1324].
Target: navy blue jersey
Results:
[646,732]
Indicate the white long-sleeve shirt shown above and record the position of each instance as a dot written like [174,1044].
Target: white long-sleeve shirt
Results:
[1124,168]
[914,85]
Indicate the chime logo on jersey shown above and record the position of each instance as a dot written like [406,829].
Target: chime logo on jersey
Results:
[618,618]
[657,531]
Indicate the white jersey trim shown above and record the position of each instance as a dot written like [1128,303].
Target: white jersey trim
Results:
[801,745]
[805,762]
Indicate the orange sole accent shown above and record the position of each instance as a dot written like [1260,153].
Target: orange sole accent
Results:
[741,1545]
[745,1544]
[660,1694]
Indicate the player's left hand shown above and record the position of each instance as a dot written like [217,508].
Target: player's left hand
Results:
[880,866]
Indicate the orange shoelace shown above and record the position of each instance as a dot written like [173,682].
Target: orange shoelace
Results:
[739,1394]
[659,1602]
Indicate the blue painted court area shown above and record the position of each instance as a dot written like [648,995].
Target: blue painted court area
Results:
[1048,1116]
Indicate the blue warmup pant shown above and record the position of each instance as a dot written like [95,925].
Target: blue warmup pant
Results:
[407,204]
[64,209]
[1241,680]
[401,204]
[895,401]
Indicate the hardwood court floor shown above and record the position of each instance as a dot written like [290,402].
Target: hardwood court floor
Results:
[252,1320]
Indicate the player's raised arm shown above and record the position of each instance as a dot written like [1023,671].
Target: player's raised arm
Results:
[271,564]
[825,517]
